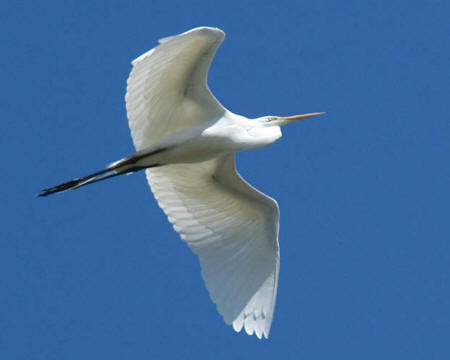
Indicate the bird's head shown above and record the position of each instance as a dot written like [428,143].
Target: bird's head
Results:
[267,128]
[283,120]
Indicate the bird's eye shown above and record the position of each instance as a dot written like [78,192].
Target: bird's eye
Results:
[272,118]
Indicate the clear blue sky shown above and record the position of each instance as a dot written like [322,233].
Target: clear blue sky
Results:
[364,194]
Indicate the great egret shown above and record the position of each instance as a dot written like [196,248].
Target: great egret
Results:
[186,140]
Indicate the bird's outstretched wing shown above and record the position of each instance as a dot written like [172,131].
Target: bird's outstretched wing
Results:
[167,89]
[233,228]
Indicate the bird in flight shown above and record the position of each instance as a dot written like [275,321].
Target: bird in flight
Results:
[186,142]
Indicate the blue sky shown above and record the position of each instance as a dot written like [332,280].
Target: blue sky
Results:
[363,191]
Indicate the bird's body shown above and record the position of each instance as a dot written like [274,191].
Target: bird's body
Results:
[186,140]
[226,135]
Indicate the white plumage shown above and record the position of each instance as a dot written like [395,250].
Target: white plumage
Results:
[186,140]
[232,227]
[167,90]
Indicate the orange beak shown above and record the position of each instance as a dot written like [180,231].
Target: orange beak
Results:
[300,117]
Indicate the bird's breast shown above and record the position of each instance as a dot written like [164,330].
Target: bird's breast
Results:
[217,140]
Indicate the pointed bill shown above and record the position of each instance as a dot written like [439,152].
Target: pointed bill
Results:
[300,117]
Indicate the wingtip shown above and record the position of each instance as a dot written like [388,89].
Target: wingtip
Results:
[206,30]
[252,326]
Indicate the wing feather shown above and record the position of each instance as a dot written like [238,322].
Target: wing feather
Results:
[167,88]
[233,228]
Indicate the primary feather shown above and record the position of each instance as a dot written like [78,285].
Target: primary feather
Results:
[233,228]
[167,90]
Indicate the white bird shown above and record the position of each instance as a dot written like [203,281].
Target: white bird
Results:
[186,140]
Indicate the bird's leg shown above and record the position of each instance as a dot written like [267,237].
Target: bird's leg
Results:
[124,166]
[134,162]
